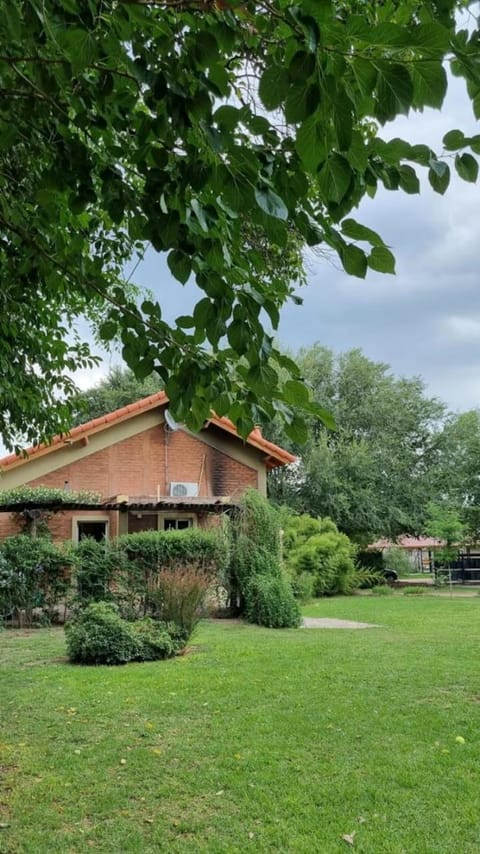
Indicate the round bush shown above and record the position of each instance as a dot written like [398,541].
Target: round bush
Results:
[270,602]
[98,635]
[154,640]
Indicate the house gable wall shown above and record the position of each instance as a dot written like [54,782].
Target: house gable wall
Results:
[138,458]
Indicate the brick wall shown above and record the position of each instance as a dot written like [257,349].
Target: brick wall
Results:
[143,464]
[60,524]
[149,461]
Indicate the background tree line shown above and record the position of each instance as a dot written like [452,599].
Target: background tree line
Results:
[394,451]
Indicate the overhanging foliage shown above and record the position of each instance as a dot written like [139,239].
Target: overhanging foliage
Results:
[225,133]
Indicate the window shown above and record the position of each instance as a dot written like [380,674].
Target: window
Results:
[94,526]
[178,524]
[96,529]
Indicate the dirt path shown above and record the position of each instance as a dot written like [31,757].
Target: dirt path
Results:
[330,623]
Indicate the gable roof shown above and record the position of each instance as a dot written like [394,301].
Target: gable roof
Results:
[274,455]
[407,542]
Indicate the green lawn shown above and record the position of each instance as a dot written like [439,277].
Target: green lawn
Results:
[257,740]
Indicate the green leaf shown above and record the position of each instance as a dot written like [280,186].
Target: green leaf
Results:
[206,48]
[185,322]
[238,336]
[301,66]
[342,120]
[273,87]
[432,37]
[271,203]
[325,416]
[381,260]
[203,313]
[439,175]
[227,116]
[301,102]
[310,144]
[180,265]
[356,231]
[334,178]
[420,154]
[392,151]
[357,154]
[429,84]
[408,179]
[467,167]
[296,393]
[309,229]
[365,75]
[219,80]
[80,47]
[354,260]
[474,143]
[454,140]
[394,91]
[297,430]
[259,125]
[199,212]
[389,35]
[108,330]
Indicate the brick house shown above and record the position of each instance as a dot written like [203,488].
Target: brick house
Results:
[151,474]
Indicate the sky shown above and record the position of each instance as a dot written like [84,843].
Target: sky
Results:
[425,320]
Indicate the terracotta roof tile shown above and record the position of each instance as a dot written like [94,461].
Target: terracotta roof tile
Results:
[276,456]
[407,542]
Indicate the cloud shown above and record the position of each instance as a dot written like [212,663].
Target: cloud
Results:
[464,328]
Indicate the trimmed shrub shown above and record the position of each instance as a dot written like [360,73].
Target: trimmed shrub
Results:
[126,571]
[154,639]
[98,635]
[270,602]
[33,579]
[152,551]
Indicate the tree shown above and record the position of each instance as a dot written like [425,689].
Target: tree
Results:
[443,522]
[226,133]
[373,475]
[117,389]
[457,476]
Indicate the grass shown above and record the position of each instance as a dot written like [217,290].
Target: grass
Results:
[257,740]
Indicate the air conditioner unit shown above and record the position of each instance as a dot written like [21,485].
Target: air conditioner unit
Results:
[179,489]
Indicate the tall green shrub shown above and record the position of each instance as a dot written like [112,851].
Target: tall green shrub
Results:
[270,602]
[255,554]
[255,545]
[316,547]
[34,578]
[97,570]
